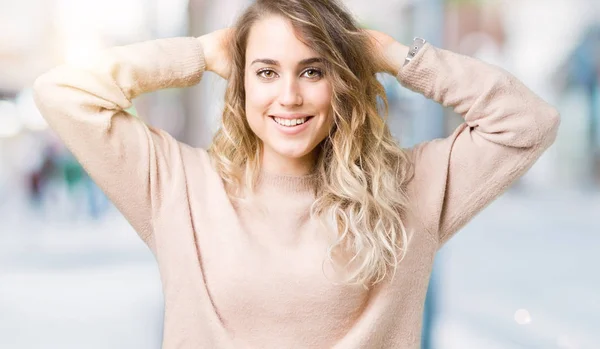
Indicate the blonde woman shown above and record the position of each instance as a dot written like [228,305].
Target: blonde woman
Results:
[304,225]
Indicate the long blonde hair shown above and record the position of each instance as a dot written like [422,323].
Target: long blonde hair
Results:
[361,169]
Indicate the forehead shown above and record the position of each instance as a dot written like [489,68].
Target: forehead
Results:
[274,37]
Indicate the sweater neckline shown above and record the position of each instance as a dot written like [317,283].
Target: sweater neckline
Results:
[288,183]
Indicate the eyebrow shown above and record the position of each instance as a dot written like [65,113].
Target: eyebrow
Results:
[276,63]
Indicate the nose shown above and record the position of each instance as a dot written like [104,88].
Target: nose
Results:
[290,94]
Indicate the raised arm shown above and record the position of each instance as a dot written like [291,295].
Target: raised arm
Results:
[85,105]
[507,127]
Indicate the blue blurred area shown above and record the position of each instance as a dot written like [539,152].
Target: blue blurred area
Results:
[523,274]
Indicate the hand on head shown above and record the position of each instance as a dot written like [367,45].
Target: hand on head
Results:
[216,55]
[388,52]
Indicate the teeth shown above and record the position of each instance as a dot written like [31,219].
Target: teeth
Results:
[289,123]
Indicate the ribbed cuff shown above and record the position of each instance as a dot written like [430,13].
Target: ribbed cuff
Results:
[420,73]
[188,59]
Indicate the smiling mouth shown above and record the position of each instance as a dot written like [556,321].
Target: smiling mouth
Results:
[290,122]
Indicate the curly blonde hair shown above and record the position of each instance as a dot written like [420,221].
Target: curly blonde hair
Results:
[361,169]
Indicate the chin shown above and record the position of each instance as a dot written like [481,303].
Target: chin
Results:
[292,151]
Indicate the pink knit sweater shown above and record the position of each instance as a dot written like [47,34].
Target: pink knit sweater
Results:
[241,277]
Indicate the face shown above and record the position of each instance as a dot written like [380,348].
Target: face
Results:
[288,97]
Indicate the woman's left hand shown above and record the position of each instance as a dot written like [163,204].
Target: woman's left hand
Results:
[390,53]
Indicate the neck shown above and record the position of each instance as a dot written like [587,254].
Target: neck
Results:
[280,165]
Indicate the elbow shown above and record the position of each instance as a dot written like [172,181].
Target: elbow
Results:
[42,83]
[41,90]
[548,127]
[44,90]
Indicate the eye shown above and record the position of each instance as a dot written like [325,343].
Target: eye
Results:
[313,73]
[266,73]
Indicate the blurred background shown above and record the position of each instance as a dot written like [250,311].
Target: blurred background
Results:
[522,274]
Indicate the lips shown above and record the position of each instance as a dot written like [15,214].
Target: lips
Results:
[307,117]
[291,116]
[291,129]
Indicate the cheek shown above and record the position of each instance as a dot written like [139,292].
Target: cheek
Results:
[257,97]
[321,97]
[257,101]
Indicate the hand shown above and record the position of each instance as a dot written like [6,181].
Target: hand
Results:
[390,54]
[216,54]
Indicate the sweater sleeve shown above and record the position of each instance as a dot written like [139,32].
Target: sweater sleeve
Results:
[506,128]
[85,105]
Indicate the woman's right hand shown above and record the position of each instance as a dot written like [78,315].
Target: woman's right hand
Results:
[216,55]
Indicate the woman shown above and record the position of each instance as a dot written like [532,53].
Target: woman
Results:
[304,225]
